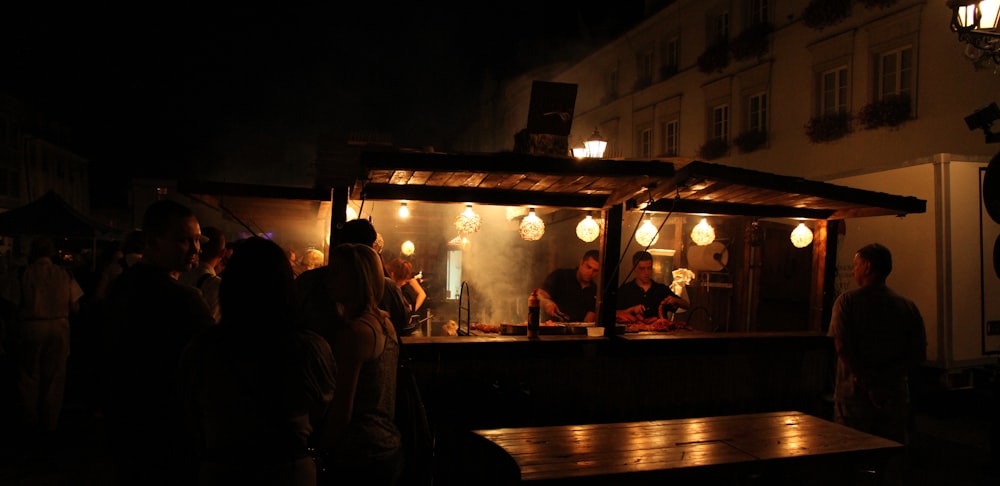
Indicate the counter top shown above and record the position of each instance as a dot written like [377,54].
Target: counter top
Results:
[638,336]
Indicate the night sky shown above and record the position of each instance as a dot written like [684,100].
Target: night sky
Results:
[188,90]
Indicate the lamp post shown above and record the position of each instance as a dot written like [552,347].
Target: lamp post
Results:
[975,22]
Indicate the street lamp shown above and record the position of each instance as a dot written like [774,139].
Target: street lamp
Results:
[975,22]
[595,145]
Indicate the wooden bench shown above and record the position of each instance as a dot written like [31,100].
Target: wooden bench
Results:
[786,447]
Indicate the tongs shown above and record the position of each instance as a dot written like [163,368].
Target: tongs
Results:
[561,316]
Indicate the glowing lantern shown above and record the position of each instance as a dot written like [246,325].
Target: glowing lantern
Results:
[801,236]
[647,235]
[407,248]
[703,233]
[587,229]
[532,227]
[468,222]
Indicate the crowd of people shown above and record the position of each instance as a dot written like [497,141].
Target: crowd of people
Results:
[221,364]
[227,364]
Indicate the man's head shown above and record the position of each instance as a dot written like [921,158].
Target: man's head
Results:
[359,231]
[214,246]
[872,264]
[41,247]
[642,262]
[173,236]
[590,266]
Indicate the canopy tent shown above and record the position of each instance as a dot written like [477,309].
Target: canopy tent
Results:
[50,215]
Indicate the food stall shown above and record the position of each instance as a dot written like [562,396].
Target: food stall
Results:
[509,379]
[737,365]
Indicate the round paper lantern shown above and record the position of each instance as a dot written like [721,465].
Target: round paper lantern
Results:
[532,227]
[801,236]
[703,233]
[587,229]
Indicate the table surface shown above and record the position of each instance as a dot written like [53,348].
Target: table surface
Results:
[579,451]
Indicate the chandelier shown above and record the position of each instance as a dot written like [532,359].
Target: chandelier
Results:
[976,23]
[647,235]
[703,233]
[801,236]
[467,222]
[587,229]
[532,227]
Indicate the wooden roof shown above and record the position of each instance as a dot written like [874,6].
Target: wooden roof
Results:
[693,187]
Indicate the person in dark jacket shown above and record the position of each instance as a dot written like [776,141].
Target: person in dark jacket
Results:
[315,290]
[151,318]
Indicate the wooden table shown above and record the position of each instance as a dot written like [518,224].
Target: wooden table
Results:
[784,446]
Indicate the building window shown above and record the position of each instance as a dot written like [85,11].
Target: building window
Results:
[646,143]
[720,122]
[895,72]
[757,109]
[646,65]
[671,138]
[671,54]
[613,81]
[757,11]
[722,27]
[833,91]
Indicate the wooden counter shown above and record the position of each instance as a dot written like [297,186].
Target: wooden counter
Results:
[480,382]
[486,382]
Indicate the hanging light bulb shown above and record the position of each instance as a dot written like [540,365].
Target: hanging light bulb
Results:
[467,222]
[351,213]
[647,235]
[703,233]
[404,211]
[587,229]
[801,236]
[407,248]
[532,227]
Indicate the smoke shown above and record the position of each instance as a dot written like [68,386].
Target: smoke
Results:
[499,269]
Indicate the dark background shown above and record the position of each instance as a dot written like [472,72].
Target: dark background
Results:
[184,89]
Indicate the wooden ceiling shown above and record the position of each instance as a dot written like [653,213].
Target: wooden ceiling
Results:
[513,179]
[681,185]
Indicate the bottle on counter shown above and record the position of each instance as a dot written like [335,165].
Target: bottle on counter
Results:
[534,314]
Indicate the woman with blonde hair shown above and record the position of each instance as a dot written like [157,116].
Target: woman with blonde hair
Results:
[360,432]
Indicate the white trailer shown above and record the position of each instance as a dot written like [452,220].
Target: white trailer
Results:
[942,259]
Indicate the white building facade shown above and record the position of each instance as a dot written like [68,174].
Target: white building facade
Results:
[874,97]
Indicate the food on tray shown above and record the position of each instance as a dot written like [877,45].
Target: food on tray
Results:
[655,324]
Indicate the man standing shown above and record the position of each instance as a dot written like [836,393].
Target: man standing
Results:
[641,297]
[45,295]
[879,337]
[571,294]
[204,277]
[151,318]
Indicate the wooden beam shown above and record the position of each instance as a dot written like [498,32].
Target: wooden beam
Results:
[890,204]
[735,209]
[483,196]
[511,162]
